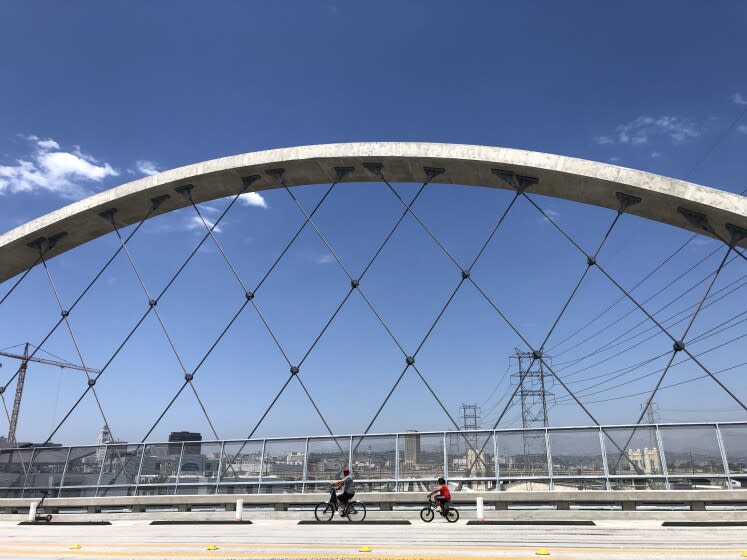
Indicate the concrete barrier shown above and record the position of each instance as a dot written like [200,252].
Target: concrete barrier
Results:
[694,500]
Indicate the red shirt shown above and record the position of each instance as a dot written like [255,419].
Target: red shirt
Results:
[443,490]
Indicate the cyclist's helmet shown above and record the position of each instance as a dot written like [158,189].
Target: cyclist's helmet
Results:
[441,480]
[345,470]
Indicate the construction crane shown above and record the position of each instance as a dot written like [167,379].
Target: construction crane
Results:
[25,359]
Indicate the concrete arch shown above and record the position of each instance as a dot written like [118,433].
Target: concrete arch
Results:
[706,210]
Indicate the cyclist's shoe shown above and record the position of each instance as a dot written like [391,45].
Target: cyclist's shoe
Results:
[341,512]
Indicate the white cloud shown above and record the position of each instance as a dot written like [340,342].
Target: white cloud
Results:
[146,167]
[739,99]
[48,144]
[326,258]
[194,223]
[643,129]
[48,168]
[742,128]
[655,155]
[253,199]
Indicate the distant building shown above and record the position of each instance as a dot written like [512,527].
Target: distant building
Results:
[105,436]
[411,447]
[647,460]
[176,439]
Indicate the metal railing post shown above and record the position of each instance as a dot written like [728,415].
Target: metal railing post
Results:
[662,458]
[28,471]
[496,462]
[549,459]
[140,468]
[305,466]
[446,459]
[724,459]
[396,462]
[179,469]
[350,453]
[261,466]
[220,466]
[101,469]
[64,472]
[606,467]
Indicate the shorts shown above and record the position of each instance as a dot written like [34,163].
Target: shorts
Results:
[345,497]
[443,501]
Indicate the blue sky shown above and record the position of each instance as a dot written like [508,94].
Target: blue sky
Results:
[96,95]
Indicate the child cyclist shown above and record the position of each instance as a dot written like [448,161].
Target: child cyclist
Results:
[444,496]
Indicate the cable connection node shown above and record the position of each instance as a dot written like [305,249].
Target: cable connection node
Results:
[431,172]
[536,354]
[410,360]
[188,377]
[185,191]
[374,168]
[64,313]
[354,283]
[679,346]
[152,302]
[591,261]
[696,219]
[91,382]
[626,201]
[2,390]
[294,370]
[465,273]
[737,233]
[108,215]
[249,295]
[247,182]
[341,172]
[158,200]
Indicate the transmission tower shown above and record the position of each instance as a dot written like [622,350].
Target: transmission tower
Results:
[470,416]
[534,393]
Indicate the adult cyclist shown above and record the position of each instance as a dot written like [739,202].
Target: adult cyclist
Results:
[348,490]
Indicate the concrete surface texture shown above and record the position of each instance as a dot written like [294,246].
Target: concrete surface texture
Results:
[564,177]
[620,540]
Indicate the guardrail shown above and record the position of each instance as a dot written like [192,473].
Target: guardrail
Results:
[683,456]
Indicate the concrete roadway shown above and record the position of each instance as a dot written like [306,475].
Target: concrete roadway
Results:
[620,540]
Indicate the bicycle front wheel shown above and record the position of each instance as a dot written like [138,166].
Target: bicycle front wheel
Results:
[324,511]
[356,511]
[426,514]
[452,515]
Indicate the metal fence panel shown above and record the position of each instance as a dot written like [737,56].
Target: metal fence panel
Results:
[119,470]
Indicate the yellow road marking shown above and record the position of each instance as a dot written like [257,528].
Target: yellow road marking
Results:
[93,547]
[201,554]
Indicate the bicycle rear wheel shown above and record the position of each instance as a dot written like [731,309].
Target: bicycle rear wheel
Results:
[452,515]
[356,511]
[324,511]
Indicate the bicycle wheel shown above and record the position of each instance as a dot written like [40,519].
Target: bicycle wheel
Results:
[355,511]
[324,511]
[452,515]
[426,514]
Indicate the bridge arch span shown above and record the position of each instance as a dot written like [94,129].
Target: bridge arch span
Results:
[678,203]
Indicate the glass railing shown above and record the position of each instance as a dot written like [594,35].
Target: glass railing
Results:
[626,457]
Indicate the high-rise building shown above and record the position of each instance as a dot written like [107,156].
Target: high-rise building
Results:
[176,439]
[411,446]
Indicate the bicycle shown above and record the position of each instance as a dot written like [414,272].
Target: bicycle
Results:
[427,513]
[324,511]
